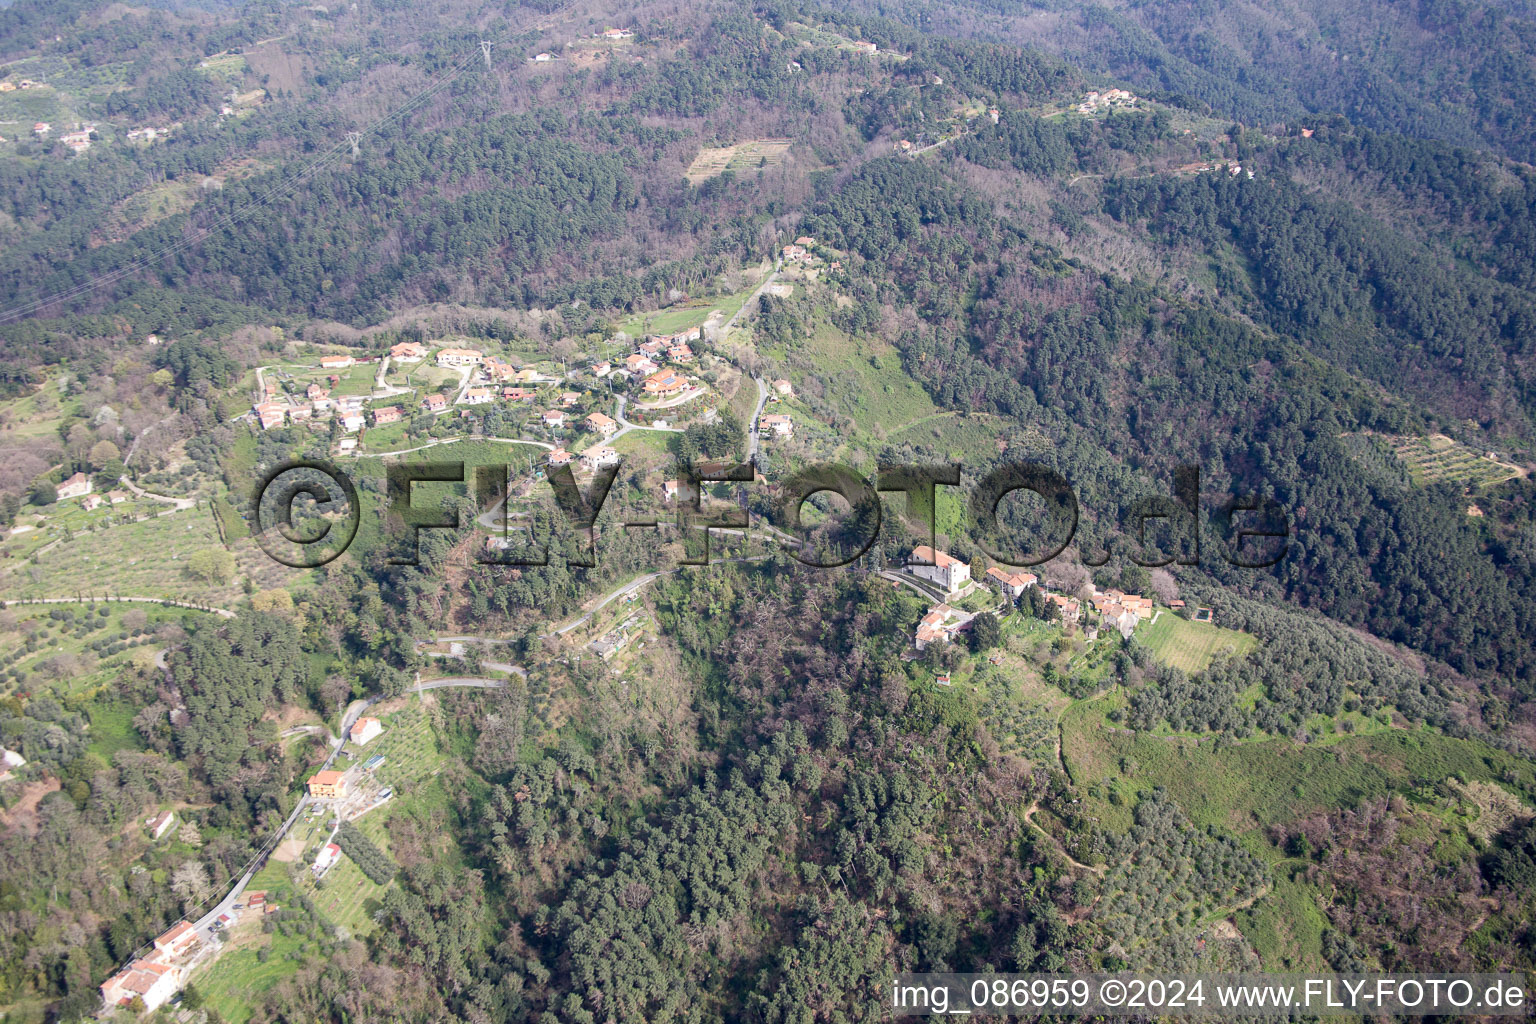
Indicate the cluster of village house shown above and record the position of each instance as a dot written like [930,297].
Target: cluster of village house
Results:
[800,252]
[78,138]
[80,486]
[1114,609]
[158,975]
[659,362]
[1110,98]
[490,381]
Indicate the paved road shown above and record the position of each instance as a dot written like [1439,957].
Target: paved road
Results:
[182,504]
[772,277]
[625,426]
[757,414]
[204,924]
[628,588]
[908,580]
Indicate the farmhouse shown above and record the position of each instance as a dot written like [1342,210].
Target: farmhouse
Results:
[434,403]
[76,486]
[1069,607]
[408,352]
[680,354]
[560,457]
[270,415]
[335,362]
[553,418]
[161,823]
[388,414]
[638,364]
[329,854]
[569,398]
[935,627]
[602,424]
[496,370]
[352,422]
[315,392]
[460,357]
[328,784]
[365,729]
[476,396]
[783,387]
[949,573]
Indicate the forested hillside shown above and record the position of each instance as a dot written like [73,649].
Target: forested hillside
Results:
[554,242]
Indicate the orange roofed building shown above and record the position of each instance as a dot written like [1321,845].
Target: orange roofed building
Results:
[328,783]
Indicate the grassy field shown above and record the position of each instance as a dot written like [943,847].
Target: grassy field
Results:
[1191,646]
[34,415]
[235,984]
[865,381]
[692,313]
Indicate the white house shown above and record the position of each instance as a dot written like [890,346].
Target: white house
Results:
[161,823]
[598,457]
[782,426]
[153,982]
[949,573]
[476,396]
[352,422]
[329,855]
[76,486]
[180,939]
[459,357]
[365,729]
[1011,583]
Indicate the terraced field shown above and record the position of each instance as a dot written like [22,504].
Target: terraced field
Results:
[741,157]
[1438,459]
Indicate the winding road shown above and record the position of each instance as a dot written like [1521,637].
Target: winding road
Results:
[205,924]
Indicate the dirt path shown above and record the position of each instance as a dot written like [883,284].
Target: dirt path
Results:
[1029,818]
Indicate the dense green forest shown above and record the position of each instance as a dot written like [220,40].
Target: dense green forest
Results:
[1299,258]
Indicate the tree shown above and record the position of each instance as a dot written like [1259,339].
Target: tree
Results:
[986,632]
[44,493]
[103,452]
[213,565]
[190,883]
[275,600]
